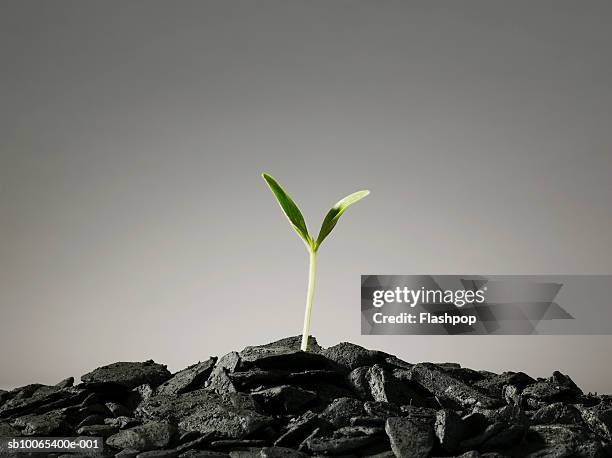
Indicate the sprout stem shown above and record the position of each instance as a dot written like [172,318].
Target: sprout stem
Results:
[309,297]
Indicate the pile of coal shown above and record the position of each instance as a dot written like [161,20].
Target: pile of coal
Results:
[276,401]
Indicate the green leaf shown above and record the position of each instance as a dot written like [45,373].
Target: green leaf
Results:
[292,212]
[334,214]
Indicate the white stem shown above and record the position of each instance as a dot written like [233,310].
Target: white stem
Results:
[309,297]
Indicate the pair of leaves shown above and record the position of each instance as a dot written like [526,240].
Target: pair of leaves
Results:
[294,215]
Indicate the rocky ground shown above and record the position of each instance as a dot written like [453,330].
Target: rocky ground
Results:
[276,401]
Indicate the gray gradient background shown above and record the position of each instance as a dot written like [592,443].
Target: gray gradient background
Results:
[134,223]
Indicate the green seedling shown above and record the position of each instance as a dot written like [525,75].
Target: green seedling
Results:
[294,215]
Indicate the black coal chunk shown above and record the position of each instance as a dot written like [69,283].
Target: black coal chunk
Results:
[367,421]
[450,429]
[286,355]
[231,444]
[281,452]
[558,413]
[54,422]
[385,387]
[98,430]
[443,385]
[40,399]
[339,446]
[393,362]
[6,430]
[349,356]
[205,412]
[409,438]
[475,442]
[188,379]
[326,393]
[256,377]
[494,385]
[357,380]
[158,454]
[543,391]
[119,410]
[570,438]
[356,431]
[380,409]
[341,410]
[128,374]
[464,374]
[599,419]
[298,429]
[559,387]
[284,398]
[149,436]
[506,414]
[281,351]
[21,392]
[122,422]
[203,454]
[66,383]
[219,379]
[315,376]
[294,361]
[426,414]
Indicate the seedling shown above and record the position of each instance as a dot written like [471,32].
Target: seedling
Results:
[294,215]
